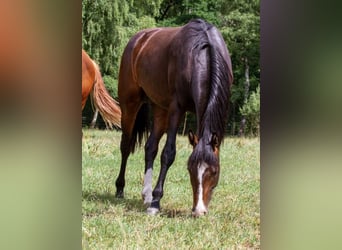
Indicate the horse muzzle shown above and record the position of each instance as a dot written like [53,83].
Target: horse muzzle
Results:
[199,212]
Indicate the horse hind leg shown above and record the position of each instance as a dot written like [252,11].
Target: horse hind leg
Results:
[120,180]
[128,120]
[151,150]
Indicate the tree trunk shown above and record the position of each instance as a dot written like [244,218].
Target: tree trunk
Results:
[232,132]
[247,84]
[93,122]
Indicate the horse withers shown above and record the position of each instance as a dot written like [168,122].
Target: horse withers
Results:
[171,71]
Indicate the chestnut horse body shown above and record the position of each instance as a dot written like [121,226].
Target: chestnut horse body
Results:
[92,83]
[171,71]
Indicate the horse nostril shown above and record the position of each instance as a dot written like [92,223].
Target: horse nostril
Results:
[198,213]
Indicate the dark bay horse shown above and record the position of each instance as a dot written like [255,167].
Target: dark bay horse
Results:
[174,70]
[92,83]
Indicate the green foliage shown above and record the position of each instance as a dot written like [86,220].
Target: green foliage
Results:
[241,33]
[146,8]
[251,111]
[111,85]
[101,35]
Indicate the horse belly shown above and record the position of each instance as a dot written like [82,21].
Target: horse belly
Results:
[158,93]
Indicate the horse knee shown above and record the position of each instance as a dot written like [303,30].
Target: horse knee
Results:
[168,155]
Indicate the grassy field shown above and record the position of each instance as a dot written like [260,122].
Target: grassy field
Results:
[233,221]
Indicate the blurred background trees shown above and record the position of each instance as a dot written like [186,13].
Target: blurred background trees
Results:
[108,25]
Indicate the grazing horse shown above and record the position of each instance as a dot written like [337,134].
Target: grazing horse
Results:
[174,70]
[92,83]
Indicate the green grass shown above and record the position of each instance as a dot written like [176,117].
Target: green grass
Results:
[233,221]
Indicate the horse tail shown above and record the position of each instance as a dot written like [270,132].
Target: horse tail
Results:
[107,106]
[141,127]
[220,78]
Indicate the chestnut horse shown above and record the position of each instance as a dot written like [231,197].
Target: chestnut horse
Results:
[92,83]
[174,70]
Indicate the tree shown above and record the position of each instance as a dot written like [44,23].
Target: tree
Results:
[251,111]
[103,36]
[107,25]
[241,32]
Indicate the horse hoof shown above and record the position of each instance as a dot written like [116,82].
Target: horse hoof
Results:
[147,200]
[152,211]
[119,195]
[147,203]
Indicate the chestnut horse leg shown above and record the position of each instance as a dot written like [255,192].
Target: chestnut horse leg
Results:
[151,150]
[167,156]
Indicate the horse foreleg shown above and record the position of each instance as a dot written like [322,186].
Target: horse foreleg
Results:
[167,158]
[151,150]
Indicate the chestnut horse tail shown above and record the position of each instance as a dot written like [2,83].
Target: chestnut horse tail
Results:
[141,127]
[107,106]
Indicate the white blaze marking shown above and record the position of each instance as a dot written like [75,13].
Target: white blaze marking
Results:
[200,204]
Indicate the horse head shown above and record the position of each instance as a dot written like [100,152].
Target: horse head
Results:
[204,169]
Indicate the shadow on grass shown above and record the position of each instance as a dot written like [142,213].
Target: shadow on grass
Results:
[175,213]
[133,205]
[109,198]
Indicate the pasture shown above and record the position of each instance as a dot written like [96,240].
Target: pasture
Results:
[233,221]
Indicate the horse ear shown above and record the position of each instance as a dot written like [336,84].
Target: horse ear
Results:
[214,141]
[193,138]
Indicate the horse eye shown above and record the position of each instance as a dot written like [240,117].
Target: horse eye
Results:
[190,170]
[213,171]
